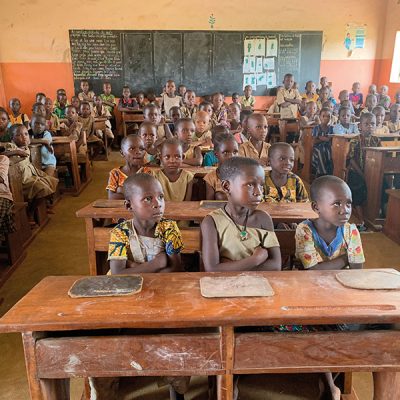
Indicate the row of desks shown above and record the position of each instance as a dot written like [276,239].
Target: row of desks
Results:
[65,337]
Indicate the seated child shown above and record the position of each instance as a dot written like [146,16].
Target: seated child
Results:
[397,97]
[39,109]
[174,115]
[126,102]
[334,118]
[281,184]
[169,98]
[356,97]
[6,200]
[274,107]
[225,147]
[60,104]
[87,121]
[220,114]
[36,184]
[236,99]
[309,95]
[323,83]
[234,123]
[86,94]
[202,134]
[189,108]
[373,90]
[310,117]
[210,159]
[16,117]
[182,91]
[5,136]
[148,133]
[133,152]
[324,95]
[343,97]
[356,161]
[329,241]
[370,103]
[238,237]
[383,98]
[76,102]
[52,121]
[344,126]
[244,115]
[109,102]
[177,183]
[141,100]
[380,115]
[321,160]
[42,136]
[394,122]
[248,101]
[256,147]
[288,98]
[208,108]
[40,98]
[152,113]
[185,131]
[72,128]
[101,111]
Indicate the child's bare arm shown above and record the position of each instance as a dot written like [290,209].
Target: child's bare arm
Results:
[168,133]
[119,267]
[337,263]
[210,192]
[173,263]
[115,195]
[273,262]
[197,160]
[189,190]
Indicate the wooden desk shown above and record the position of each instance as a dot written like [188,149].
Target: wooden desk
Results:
[55,350]
[308,143]
[392,222]
[389,140]
[288,126]
[340,150]
[134,116]
[378,162]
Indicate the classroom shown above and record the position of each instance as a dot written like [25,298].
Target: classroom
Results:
[200,201]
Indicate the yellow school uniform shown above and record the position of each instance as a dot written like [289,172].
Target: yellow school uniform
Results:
[248,150]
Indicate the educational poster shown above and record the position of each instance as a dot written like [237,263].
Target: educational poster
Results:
[271,79]
[252,64]
[269,63]
[250,79]
[262,79]
[246,65]
[259,47]
[354,37]
[249,47]
[272,48]
[259,64]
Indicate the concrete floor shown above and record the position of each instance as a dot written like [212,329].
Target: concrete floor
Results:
[60,249]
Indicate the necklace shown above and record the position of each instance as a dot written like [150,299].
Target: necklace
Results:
[242,232]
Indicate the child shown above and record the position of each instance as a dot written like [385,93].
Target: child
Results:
[248,101]
[370,103]
[334,118]
[148,133]
[321,160]
[169,98]
[288,99]
[6,200]
[72,128]
[225,147]
[344,125]
[42,136]
[177,183]
[220,114]
[311,117]
[234,123]
[189,109]
[60,104]
[238,237]
[16,117]
[355,163]
[86,94]
[356,97]
[152,113]
[210,159]
[236,99]
[397,97]
[244,115]
[202,134]
[87,121]
[52,121]
[108,98]
[40,98]
[343,97]
[207,107]
[76,102]
[185,130]
[141,100]
[324,95]
[372,90]
[380,115]
[309,95]
[133,152]
[256,147]
[174,115]
[383,98]
[281,185]
[394,122]
[182,91]
[323,83]
[36,184]
[101,111]
[39,109]
[4,125]
[126,102]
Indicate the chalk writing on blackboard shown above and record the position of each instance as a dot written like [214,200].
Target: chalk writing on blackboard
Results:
[289,53]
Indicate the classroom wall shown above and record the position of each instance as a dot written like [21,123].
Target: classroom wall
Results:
[34,44]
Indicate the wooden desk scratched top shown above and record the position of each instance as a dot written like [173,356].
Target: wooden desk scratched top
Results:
[191,210]
[174,300]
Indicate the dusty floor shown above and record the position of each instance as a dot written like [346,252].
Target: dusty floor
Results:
[60,249]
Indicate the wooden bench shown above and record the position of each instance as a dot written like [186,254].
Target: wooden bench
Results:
[129,117]
[288,126]
[340,150]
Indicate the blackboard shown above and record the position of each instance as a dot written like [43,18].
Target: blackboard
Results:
[205,61]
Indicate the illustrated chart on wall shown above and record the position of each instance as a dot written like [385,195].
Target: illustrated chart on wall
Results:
[205,61]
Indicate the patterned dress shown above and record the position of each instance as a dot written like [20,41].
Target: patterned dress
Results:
[321,161]
[293,192]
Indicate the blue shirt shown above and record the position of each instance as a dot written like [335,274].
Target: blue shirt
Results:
[340,129]
[48,158]
[210,160]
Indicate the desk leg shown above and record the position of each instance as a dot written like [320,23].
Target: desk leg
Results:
[74,167]
[225,382]
[91,249]
[41,389]
[282,131]
[386,385]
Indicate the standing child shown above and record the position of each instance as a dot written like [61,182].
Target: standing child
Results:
[52,121]
[288,98]
[225,147]
[220,114]
[169,98]
[16,117]
[202,135]
[177,183]
[248,101]
[4,125]
[256,147]
[344,125]
[380,115]
[86,94]
[185,130]
[394,122]
[6,200]
[189,108]
[126,102]
[152,113]
[383,97]
[321,160]
[109,102]
[42,136]
[356,97]
[238,237]
[281,184]
[133,152]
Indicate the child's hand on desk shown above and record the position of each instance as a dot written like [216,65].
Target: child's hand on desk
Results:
[160,260]
[260,255]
